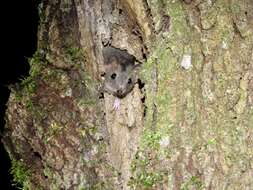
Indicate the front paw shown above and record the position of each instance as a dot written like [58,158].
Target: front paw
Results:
[116,104]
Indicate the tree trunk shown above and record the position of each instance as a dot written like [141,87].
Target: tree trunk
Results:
[188,124]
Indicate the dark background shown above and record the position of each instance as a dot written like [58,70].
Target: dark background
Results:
[19,22]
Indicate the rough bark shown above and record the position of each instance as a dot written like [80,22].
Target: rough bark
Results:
[189,127]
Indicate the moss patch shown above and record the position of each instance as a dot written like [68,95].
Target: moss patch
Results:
[21,174]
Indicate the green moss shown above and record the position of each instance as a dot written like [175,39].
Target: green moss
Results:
[21,175]
[54,129]
[36,62]
[151,139]
[193,183]
[28,85]
[65,6]
[41,13]
[235,8]
[87,101]
[144,175]
[145,180]
[29,104]
[103,185]
[75,54]
[143,167]
[47,172]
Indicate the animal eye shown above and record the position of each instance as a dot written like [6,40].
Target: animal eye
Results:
[129,81]
[113,76]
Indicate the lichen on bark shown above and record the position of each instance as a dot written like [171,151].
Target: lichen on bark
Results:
[203,113]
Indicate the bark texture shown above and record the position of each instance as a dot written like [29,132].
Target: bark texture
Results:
[189,127]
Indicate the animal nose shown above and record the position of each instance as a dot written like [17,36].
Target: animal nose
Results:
[119,91]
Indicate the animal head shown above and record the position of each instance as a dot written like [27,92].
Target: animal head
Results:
[120,79]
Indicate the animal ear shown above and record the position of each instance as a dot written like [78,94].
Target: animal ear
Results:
[137,68]
[111,65]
